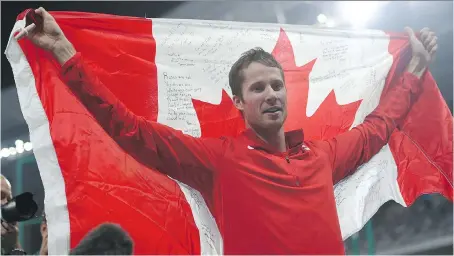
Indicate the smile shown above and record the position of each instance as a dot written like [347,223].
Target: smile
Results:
[273,110]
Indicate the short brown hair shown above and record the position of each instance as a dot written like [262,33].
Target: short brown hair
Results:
[253,55]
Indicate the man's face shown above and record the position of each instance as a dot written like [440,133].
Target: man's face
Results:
[6,190]
[264,103]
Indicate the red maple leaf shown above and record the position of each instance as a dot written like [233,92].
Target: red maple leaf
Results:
[219,120]
[329,120]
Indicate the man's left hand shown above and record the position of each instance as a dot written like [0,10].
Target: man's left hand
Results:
[10,236]
[423,50]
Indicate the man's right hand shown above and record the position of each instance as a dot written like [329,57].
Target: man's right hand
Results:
[50,37]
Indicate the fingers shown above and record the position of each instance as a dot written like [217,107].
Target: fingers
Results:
[41,11]
[25,31]
[4,228]
[424,33]
[433,51]
[4,224]
[412,37]
[431,44]
[410,33]
[8,227]
[428,39]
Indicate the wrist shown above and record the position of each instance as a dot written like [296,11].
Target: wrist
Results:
[416,67]
[63,50]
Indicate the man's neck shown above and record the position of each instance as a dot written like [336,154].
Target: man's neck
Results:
[276,139]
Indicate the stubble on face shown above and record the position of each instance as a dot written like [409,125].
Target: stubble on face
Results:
[264,97]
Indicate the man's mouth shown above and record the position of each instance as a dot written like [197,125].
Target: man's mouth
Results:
[273,110]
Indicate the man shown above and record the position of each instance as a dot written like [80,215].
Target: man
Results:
[271,192]
[9,231]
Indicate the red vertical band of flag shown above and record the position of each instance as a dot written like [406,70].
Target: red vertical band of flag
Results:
[103,183]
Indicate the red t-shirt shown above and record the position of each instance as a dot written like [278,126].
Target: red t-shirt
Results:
[264,201]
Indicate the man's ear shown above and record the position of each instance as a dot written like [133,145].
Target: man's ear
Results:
[238,102]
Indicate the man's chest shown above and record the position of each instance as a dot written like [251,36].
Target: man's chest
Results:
[299,168]
[274,196]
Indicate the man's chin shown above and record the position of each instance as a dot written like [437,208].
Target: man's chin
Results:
[273,124]
[277,120]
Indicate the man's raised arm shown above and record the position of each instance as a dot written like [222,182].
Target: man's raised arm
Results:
[180,156]
[351,149]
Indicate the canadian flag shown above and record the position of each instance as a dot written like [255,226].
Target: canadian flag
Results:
[175,72]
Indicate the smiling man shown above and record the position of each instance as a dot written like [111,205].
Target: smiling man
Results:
[263,98]
[271,192]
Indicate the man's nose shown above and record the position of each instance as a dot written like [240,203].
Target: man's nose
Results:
[271,95]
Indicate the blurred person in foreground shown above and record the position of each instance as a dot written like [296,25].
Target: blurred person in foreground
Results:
[10,231]
[105,239]
[270,191]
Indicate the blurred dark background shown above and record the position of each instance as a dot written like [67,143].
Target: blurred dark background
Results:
[424,228]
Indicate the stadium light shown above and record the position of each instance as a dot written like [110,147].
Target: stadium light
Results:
[321,18]
[19,143]
[20,148]
[12,151]
[330,23]
[5,152]
[28,146]
[358,13]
